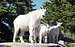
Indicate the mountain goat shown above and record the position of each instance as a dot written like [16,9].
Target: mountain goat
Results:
[29,22]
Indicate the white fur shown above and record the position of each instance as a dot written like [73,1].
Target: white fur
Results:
[61,42]
[29,22]
[45,29]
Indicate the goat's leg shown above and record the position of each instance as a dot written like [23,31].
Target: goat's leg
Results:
[15,34]
[40,38]
[45,39]
[31,35]
[35,33]
[35,38]
[21,36]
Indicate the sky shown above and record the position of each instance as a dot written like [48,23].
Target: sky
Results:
[39,3]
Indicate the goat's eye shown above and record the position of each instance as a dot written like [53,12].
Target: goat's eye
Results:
[43,16]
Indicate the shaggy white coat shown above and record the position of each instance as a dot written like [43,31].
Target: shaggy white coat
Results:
[46,29]
[29,22]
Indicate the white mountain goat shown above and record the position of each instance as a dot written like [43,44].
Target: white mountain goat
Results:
[29,22]
[46,29]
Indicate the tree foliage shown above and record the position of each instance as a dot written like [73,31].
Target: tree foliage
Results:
[62,11]
[23,6]
[9,9]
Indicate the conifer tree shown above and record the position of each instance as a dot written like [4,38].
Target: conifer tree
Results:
[62,11]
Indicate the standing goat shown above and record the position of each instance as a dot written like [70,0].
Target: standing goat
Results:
[46,29]
[29,22]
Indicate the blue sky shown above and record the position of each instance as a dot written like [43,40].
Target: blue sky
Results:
[38,3]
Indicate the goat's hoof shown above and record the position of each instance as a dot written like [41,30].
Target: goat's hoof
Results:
[22,41]
[14,41]
[40,43]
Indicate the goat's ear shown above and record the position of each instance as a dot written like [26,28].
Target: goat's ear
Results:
[45,9]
